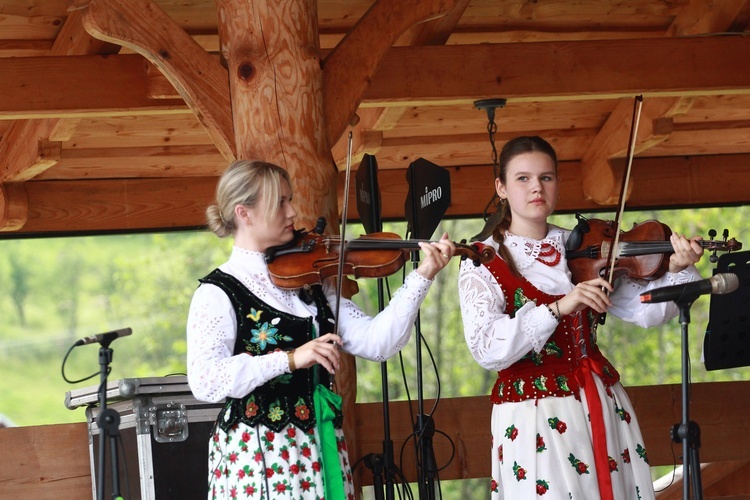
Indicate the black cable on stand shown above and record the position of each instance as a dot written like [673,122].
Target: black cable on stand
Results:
[368,206]
[108,419]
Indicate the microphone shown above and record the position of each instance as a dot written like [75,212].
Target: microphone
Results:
[104,338]
[718,284]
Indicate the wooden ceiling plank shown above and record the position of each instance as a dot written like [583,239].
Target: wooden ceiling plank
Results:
[145,28]
[137,162]
[699,17]
[349,68]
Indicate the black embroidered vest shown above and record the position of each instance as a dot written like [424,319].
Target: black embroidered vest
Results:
[554,370]
[288,398]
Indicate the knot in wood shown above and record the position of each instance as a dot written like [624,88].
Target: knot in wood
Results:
[245,71]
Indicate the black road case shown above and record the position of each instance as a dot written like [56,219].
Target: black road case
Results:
[164,430]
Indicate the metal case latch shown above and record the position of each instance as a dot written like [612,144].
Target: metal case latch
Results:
[168,420]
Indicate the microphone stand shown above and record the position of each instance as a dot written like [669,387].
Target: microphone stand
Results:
[686,431]
[108,421]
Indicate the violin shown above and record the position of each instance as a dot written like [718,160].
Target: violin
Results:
[642,253]
[311,257]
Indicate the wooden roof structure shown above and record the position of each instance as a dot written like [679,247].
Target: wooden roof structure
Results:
[119,116]
[98,137]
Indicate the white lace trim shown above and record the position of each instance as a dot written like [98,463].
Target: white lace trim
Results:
[526,250]
[536,325]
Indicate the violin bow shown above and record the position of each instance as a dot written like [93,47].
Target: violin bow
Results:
[342,242]
[637,107]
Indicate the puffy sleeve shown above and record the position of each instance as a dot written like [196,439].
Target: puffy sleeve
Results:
[380,337]
[214,373]
[627,303]
[495,339]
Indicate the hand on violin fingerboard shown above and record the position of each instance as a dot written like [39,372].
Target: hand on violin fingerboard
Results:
[437,254]
[686,252]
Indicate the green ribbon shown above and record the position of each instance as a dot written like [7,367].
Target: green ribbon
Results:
[325,401]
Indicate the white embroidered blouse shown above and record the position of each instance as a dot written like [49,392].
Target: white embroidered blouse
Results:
[497,341]
[214,373]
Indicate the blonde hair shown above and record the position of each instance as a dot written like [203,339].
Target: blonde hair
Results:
[248,183]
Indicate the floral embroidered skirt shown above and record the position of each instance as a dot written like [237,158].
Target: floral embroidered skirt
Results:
[255,462]
[543,449]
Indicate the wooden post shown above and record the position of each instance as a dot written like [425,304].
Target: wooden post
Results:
[275,78]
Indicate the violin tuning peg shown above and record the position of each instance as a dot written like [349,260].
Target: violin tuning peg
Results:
[712,233]
[713,258]
[725,234]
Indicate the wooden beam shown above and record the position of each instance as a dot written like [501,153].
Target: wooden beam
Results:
[555,70]
[106,205]
[142,26]
[118,85]
[350,67]
[117,205]
[143,162]
[692,181]
[77,86]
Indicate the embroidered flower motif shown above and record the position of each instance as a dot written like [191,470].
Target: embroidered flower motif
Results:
[542,487]
[254,315]
[624,415]
[302,412]
[518,386]
[540,383]
[641,452]
[511,433]
[625,456]
[519,472]
[500,453]
[612,465]
[557,424]
[275,413]
[251,409]
[494,486]
[519,300]
[580,467]
[501,389]
[264,335]
[553,349]
[562,382]
[540,444]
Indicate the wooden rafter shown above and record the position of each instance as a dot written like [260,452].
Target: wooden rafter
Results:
[201,81]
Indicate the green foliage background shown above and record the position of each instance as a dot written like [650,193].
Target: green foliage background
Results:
[56,290]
